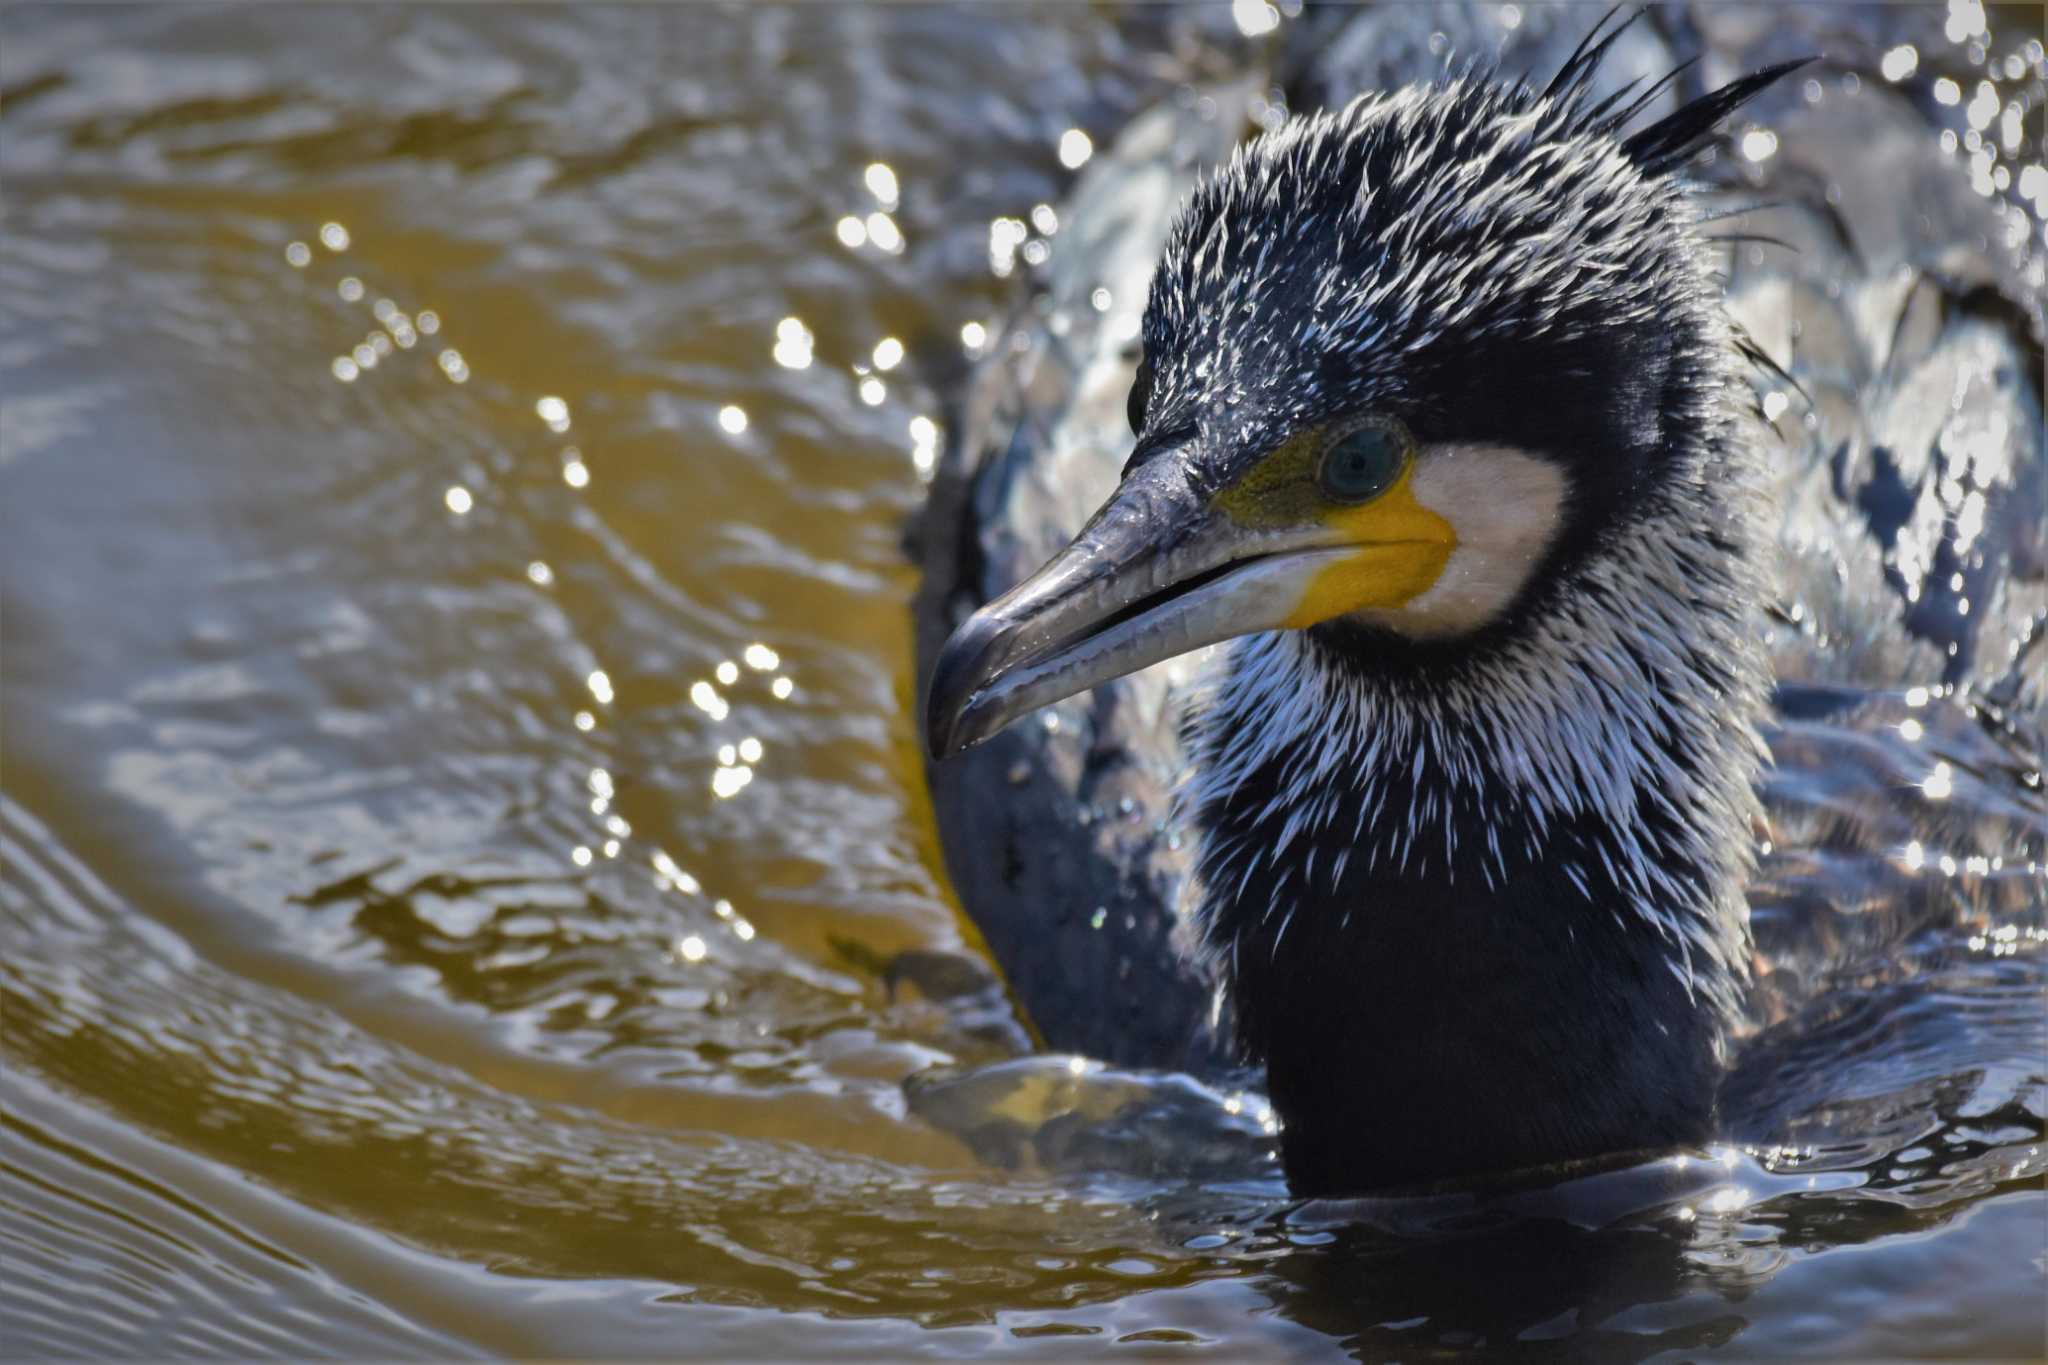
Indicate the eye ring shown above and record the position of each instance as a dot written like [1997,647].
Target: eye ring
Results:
[1364,459]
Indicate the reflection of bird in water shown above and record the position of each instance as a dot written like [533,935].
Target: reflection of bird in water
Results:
[1436,411]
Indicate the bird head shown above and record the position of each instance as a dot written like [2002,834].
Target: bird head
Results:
[1407,366]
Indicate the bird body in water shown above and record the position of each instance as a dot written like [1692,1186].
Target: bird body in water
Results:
[1436,420]
[1353,885]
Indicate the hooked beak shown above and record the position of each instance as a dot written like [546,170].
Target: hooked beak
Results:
[1156,573]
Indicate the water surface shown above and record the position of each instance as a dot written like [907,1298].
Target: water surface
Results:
[469,884]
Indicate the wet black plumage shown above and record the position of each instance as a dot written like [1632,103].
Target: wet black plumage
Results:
[1474,901]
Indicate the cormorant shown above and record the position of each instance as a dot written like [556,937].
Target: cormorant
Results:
[1436,417]
[1437,421]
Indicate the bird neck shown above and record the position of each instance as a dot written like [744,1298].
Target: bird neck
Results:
[1487,916]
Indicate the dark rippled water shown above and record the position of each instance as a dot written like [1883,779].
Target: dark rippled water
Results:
[469,885]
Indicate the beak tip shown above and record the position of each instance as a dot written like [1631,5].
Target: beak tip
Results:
[938,738]
[950,725]
[965,666]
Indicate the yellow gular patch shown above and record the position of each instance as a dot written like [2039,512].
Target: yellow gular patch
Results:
[1401,546]
[1402,549]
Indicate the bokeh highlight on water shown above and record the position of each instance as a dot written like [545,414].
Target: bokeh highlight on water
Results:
[469,883]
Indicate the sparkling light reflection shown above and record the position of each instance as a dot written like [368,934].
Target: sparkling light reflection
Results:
[881,183]
[792,344]
[1254,18]
[1939,783]
[884,233]
[706,699]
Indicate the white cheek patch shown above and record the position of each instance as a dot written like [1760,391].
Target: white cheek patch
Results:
[1505,506]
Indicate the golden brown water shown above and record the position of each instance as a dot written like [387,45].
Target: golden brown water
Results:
[460,787]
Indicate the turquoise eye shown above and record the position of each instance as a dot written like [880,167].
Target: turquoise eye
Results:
[1364,462]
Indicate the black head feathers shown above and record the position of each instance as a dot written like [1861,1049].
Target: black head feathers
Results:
[1675,139]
